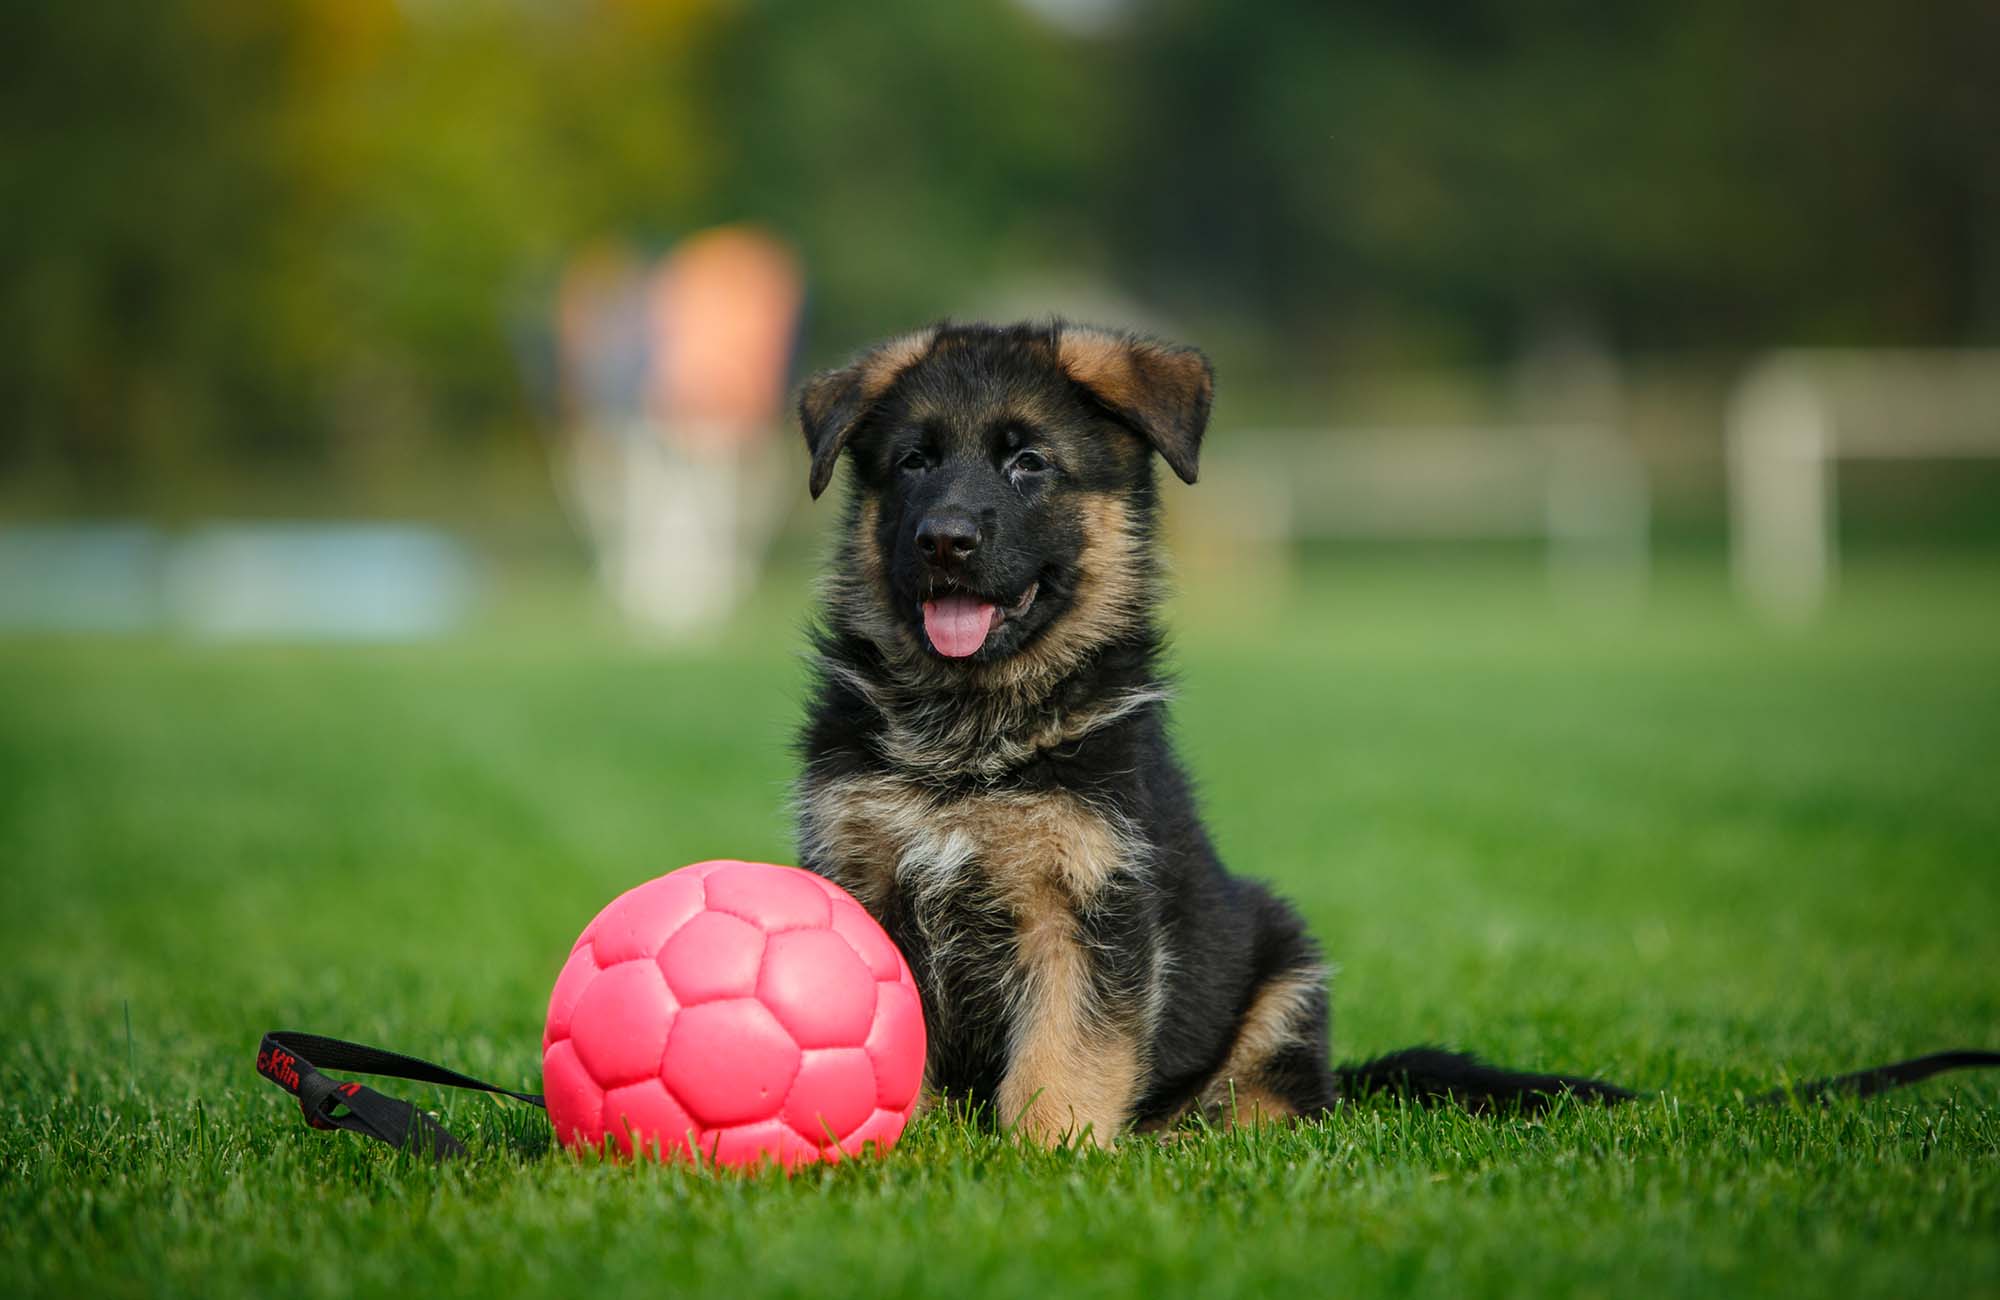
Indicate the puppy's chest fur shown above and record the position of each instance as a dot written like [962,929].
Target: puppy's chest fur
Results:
[999,899]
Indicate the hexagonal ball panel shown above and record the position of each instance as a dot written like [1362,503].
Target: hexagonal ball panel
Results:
[715,955]
[834,1092]
[620,1023]
[646,1115]
[729,1062]
[896,1046]
[817,988]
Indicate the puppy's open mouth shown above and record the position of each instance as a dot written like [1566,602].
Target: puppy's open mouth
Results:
[958,622]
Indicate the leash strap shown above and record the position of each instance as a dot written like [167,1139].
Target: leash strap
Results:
[1866,1083]
[293,1061]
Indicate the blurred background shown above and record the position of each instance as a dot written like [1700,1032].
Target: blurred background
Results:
[1588,612]
[379,318]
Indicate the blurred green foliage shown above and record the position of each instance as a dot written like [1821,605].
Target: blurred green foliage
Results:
[322,232]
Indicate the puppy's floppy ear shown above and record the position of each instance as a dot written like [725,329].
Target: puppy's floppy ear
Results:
[834,402]
[1161,391]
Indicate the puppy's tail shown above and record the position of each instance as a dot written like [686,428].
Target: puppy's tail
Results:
[1432,1074]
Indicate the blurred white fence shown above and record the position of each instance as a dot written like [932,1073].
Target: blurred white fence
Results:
[1799,413]
[1580,487]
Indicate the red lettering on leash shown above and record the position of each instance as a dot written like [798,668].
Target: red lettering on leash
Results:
[280,1067]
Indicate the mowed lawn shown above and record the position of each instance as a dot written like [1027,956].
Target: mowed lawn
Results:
[1668,847]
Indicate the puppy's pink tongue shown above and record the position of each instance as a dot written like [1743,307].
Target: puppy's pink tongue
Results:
[957,625]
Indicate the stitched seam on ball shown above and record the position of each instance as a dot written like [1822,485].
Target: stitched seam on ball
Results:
[660,1066]
[570,1023]
[676,930]
[786,1105]
[763,947]
[769,929]
[863,957]
[785,1102]
[701,885]
[874,1077]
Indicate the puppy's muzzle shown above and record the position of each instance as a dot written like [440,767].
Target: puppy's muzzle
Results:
[946,538]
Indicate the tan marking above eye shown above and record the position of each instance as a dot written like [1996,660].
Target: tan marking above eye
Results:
[1013,434]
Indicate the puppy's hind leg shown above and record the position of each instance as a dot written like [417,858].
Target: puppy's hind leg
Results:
[1277,1064]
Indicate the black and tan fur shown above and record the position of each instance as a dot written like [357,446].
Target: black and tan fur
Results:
[1017,819]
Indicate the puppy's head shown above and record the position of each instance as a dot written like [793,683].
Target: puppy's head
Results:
[1003,485]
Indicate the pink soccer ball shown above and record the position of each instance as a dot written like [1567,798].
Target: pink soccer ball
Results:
[735,1012]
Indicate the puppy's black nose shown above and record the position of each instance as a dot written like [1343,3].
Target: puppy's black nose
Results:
[947,536]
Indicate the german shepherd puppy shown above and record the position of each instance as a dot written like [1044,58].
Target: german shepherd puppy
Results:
[987,764]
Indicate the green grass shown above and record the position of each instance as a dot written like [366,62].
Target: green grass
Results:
[1671,848]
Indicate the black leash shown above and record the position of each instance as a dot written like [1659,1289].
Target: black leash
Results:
[1866,1083]
[293,1060]
[1427,1074]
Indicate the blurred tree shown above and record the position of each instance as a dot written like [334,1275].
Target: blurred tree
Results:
[915,151]
[297,231]
[290,230]
[140,229]
[1703,174]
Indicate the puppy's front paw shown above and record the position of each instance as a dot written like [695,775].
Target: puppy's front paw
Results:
[1052,1115]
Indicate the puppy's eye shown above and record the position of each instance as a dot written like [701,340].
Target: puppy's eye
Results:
[913,462]
[1027,461]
